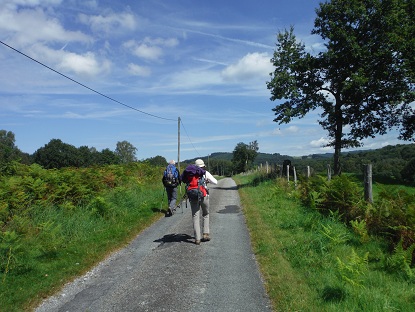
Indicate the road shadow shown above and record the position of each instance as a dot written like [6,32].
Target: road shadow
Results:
[174,238]
[163,211]
[229,188]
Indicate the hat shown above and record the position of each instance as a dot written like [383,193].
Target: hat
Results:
[172,162]
[199,163]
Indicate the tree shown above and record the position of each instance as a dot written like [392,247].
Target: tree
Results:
[362,82]
[244,155]
[107,157]
[157,161]
[408,172]
[126,152]
[8,150]
[57,154]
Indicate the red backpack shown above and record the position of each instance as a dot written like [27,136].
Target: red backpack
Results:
[193,176]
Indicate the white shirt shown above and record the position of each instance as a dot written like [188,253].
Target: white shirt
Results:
[210,178]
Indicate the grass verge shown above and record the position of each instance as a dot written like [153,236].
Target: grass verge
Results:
[70,241]
[316,263]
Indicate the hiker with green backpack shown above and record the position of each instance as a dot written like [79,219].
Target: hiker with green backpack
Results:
[196,178]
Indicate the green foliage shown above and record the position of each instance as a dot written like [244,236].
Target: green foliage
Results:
[340,194]
[310,191]
[9,152]
[360,228]
[315,262]
[335,237]
[99,206]
[50,237]
[391,216]
[394,214]
[10,252]
[55,223]
[363,79]
[408,172]
[244,155]
[400,262]
[353,270]
[157,161]
[57,154]
[126,152]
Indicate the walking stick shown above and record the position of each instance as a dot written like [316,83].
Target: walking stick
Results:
[180,203]
[161,203]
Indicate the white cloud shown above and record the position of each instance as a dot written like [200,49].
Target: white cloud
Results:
[150,48]
[170,42]
[85,64]
[111,23]
[137,70]
[194,78]
[292,129]
[28,26]
[15,3]
[147,52]
[319,143]
[252,65]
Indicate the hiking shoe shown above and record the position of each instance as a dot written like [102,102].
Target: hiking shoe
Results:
[206,237]
[197,242]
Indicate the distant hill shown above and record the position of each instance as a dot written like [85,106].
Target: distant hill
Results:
[391,164]
[405,151]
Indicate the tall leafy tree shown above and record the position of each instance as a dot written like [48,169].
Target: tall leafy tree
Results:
[57,154]
[363,82]
[8,150]
[126,152]
[158,160]
[107,157]
[244,155]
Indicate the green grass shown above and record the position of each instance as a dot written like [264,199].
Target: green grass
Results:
[69,241]
[378,187]
[316,263]
[310,262]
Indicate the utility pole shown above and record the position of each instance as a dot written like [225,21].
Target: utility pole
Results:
[178,142]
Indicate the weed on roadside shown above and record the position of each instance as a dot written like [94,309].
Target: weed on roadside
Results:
[313,261]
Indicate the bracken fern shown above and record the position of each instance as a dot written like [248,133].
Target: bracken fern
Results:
[352,271]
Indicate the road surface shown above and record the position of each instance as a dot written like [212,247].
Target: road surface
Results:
[163,270]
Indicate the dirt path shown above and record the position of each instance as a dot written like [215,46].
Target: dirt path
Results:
[163,270]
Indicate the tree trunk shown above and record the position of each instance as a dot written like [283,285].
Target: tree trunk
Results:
[337,166]
[338,136]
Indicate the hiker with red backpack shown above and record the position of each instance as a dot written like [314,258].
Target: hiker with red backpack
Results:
[196,178]
[171,179]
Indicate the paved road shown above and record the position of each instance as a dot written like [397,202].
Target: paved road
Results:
[163,270]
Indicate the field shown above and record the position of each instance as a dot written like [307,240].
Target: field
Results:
[313,261]
[319,245]
[56,224]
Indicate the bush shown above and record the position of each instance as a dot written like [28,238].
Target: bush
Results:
[341,195]
[393,216]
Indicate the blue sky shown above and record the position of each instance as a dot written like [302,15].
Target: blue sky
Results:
[206,62]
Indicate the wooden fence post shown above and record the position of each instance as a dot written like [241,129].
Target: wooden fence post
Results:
[295,177]
[288,173]
[328,172]
[368,183]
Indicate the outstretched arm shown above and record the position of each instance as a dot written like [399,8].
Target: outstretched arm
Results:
[210,178]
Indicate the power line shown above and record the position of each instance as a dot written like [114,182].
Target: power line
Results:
[189,138]
[81,84]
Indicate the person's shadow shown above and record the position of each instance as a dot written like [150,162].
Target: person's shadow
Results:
[174,238]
